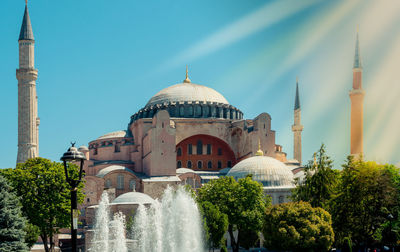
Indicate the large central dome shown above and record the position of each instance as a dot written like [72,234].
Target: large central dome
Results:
[187,92]
[189,100]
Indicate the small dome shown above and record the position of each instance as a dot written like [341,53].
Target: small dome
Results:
[187,92]
[133,198]
[266,170]
[121,133]
[83,148]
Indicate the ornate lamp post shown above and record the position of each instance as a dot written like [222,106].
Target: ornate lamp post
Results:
[73,155]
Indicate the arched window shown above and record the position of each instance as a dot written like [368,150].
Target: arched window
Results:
[95,151]
[117,147]
[190,149]
[181,111]
[219,152]
[189,164]
[179,164]
[199,147]
[132,185]
[108,183]
[120,181]
[179,152]
[208,149]
[199,164]
[229,164]
[281,199]
[209,165]
[219,164]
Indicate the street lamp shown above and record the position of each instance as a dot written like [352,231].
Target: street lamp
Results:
[73,155]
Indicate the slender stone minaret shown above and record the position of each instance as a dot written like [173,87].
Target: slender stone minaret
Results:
[297,128]
[357,98]
[28,121]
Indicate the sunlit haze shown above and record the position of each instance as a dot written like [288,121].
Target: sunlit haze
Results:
[99,62]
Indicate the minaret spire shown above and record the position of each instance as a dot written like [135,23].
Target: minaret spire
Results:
[357,60]
[297,128]
[26,32]
[357,100]
[28,120]
[297,98]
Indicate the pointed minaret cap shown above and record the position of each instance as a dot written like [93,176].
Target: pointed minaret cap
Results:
[297,98]
[259,152]
[187,80]
[26,28]
[357,55]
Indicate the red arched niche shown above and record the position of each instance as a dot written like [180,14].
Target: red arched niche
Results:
[215,154]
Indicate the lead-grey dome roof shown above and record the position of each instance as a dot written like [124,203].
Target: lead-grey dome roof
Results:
[266,170]
[187,92]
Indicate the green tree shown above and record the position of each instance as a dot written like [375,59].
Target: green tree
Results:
[45,195]
[242,201]
[297,226]
[366,198]
[216,224]
[32,234]
[320,181]
[12,234]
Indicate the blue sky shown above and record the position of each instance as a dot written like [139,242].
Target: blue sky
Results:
[100,61]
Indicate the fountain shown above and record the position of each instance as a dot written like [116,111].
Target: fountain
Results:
[109,234]
[171,224]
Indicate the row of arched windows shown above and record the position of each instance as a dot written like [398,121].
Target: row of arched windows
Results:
[189,164]
[199,149]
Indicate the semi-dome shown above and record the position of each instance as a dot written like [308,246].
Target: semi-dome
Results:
[103,172]
[187,92]
[266,170]
[120,133]
[133,198]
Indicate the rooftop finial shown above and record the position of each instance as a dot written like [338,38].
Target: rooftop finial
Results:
[26,2]
[187,80]
[315,159]
[259,152]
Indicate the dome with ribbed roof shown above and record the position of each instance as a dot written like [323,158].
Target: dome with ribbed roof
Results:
[187,92]
[266,170]
[189,100]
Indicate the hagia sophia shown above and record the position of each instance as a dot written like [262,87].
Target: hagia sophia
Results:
[186,134]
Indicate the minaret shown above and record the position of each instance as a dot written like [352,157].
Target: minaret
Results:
[356,98]
[28,121]
[297,128]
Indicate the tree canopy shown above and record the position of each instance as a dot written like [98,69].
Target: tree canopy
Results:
[45,194]
[12,223]
[216,224]
[366,196]
[297,226]
[242,201]
[318,186]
